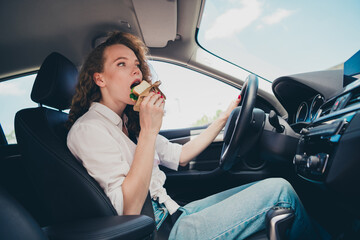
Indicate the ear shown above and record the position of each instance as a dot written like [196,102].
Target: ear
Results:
[99,80]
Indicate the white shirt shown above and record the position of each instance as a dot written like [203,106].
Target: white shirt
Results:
[98,142]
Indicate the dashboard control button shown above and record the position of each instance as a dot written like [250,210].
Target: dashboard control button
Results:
[313,162]
[300,159]
[336,105]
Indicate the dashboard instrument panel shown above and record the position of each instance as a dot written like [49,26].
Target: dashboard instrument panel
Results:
[309,110]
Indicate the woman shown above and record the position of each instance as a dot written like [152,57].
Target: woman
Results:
[121,149]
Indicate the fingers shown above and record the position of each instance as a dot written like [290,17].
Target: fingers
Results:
[233,104]
[146,99]
[150,99]
[153,99]
[152,112]
[160,102]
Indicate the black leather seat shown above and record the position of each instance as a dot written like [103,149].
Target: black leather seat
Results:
[16,223]
[62,183]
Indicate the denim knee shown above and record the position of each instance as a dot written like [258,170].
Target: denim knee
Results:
[282,187]
[279,183]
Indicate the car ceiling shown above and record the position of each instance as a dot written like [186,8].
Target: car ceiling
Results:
[33,29]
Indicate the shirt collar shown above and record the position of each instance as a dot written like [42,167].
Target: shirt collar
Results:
[106,112]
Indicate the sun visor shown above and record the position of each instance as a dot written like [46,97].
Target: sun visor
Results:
[158,21]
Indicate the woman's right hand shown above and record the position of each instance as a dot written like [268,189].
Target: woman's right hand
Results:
[151,113]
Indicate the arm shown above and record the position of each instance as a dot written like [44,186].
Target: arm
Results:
[194,147]
[136,184]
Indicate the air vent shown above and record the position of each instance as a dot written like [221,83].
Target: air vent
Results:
[326,108]
[355,99]
[325,111]
[343,101]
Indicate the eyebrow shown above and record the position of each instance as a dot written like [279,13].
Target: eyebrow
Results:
[120,58]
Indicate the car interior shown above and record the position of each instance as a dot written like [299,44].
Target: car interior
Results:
[303,127]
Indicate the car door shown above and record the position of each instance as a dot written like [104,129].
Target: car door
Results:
[193,101]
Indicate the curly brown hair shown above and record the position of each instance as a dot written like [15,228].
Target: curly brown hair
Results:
[87,91]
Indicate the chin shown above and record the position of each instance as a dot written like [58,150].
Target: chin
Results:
[131,102]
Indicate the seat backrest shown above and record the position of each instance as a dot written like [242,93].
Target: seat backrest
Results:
[62,183]
[15,221]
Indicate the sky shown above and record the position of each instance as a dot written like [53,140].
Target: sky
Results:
[278,37]
[14,95]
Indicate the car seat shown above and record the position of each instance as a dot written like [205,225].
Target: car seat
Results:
[17,223]
[69,193]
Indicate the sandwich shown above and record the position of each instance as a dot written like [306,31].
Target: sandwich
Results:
[141,90]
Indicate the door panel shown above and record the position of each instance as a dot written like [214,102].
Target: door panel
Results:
[208,160]
[202,177]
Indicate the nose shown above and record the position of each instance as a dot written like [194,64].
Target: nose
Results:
[136,70]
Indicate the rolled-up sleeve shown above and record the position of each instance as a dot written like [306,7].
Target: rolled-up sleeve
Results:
[99,153]
[168,152]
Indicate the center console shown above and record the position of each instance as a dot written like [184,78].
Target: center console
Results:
[329,146]
[317,147]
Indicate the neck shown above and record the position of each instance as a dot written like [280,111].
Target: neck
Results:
[118,108]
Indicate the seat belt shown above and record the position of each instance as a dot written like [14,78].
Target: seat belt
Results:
[147,208]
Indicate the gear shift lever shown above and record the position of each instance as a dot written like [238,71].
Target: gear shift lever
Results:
[278,220]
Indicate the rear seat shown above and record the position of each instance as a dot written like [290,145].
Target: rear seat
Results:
[15,180]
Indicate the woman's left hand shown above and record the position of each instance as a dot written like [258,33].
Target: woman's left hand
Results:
[231,107]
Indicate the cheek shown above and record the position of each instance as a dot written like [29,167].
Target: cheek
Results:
[123,90]
[119,89]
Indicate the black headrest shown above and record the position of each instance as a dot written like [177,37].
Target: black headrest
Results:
[55,82]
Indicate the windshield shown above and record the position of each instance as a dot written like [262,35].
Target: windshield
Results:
[276,38]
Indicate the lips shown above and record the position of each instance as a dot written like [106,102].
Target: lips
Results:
[135,83]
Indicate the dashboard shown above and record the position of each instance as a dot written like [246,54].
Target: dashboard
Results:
[326,116]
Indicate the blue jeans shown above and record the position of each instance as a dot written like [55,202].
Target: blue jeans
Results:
[239,212]
[160,213]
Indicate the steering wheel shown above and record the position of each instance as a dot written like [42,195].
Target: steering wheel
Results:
[238,123]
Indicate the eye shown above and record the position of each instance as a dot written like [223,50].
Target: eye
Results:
[121,64]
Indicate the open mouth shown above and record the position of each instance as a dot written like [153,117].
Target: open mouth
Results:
[137,82]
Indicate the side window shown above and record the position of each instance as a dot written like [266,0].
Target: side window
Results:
[14,95]
[192,99]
